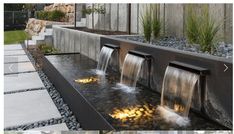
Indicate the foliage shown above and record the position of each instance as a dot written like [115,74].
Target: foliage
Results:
[47,49]
[156,24]
[13,37]
[43,15]
[92,9]
[13,7]
[55,15]
[202,30]
[208,31]
[192,26]
[146,24]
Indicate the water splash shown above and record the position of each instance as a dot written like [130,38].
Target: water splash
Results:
[130,72]
[177,91]
[104,59]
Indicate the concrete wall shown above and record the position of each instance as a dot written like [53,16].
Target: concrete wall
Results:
[73,41]
[172,16]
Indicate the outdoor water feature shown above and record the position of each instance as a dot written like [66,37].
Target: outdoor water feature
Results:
[120,110]
[179,85]
[132,66]
[105,57]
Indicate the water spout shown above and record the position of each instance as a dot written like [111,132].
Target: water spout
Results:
[104,59]
[177,92]
[130,72]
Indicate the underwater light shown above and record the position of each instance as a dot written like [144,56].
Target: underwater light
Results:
[86,80]
[134,113]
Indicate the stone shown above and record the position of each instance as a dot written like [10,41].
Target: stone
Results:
[22,81]
[56,127]
[12,47]
[12,59]
[18,67]
[15,52]
[28,107]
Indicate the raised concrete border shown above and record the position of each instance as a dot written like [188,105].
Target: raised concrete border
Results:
[70,41]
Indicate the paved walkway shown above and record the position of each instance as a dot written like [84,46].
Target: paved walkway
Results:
[26,101]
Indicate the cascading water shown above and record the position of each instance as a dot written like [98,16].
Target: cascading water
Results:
[177,91]
[104,59]
[130,72]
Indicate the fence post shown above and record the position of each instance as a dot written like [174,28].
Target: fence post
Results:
[13,18]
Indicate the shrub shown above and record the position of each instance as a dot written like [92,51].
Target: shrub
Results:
[55,15]
[202,30]
[156,24]
[146,24]
[192,27]
[47,49]
[208,31]
[43,15]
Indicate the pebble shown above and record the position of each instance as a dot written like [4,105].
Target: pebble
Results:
[222,49]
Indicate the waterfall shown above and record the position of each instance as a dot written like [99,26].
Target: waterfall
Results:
[177,91]
[130,72]
[104,59]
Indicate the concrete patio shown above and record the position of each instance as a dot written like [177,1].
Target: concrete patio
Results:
[26,100]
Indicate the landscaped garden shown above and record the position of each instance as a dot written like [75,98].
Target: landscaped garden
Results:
[131,66]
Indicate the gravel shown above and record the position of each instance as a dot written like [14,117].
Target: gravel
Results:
[222,49]
[67,115]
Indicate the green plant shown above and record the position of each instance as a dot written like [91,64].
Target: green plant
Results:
[91,9]
[56,15]
[43,15]
[146,24]
[192,26]
[47,49]
[208,31]
[156,24]
[202,30]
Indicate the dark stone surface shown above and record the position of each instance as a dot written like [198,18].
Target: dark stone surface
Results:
[105,99]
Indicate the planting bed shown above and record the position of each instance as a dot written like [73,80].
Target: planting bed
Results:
[222,49]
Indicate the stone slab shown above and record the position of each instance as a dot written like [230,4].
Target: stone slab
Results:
[28,107]
[12,47]
[16,82]
[14,52]
[14,59]
[18,67]
[56,127]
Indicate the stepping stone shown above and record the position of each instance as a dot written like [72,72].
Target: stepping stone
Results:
[56,127]
[13,47]
[17,82]
[18,67]
[14,52]
[28,107]
[14,59]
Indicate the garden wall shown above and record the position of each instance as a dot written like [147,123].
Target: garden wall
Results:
[172,16]
[73,41]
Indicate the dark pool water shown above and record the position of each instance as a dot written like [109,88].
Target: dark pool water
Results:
[125,111]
